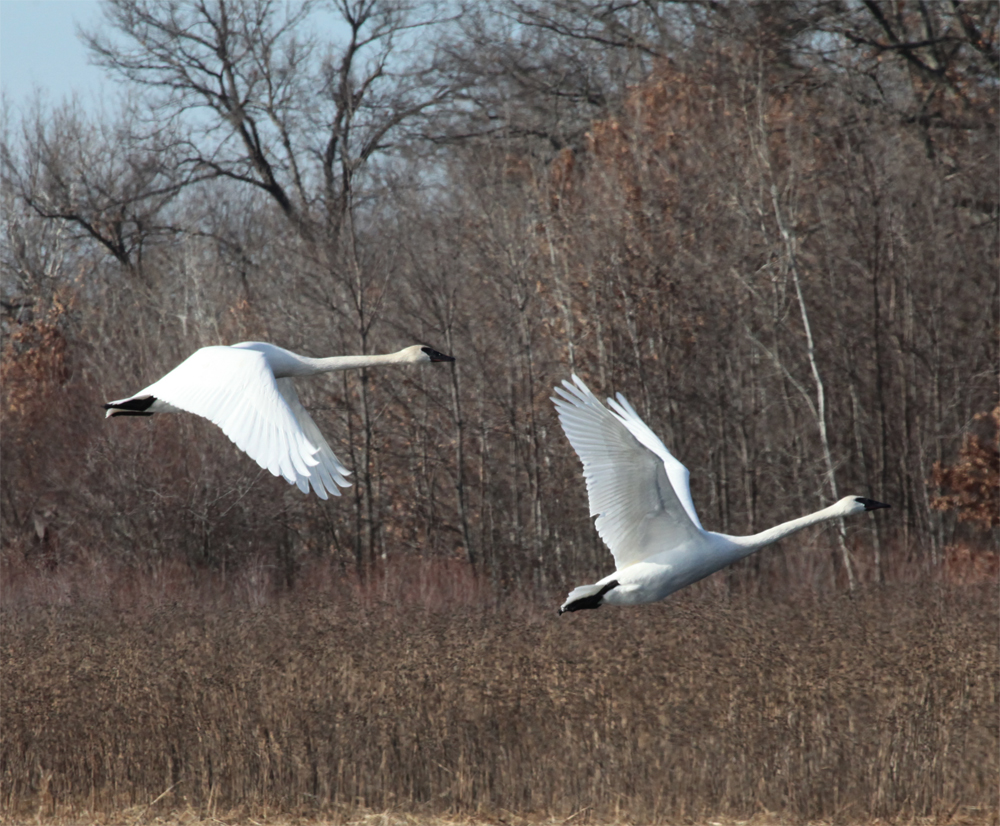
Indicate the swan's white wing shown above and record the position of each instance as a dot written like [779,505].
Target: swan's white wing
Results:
[329,472]
[680,477]
[236,389]
[638,510]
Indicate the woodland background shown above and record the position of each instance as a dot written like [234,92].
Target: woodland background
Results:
[772,226]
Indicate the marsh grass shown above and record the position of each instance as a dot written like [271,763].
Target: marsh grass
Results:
[216,697]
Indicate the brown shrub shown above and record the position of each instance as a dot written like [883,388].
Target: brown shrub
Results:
[975,478]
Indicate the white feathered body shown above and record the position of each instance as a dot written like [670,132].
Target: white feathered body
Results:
[673,569]
[663,573]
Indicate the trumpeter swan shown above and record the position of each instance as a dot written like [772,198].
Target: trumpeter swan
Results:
[642,500]
[247,390]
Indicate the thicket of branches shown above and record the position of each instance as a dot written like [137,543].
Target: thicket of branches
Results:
[774,227]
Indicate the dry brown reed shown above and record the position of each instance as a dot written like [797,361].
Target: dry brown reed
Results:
[332,700]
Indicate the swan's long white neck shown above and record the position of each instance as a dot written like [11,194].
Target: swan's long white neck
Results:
[284,363]
[312,366]
[745,545]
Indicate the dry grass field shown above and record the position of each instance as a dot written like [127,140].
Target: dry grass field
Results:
[153,704]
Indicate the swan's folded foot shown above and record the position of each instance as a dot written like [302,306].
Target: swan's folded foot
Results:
[131,407]
[587,596]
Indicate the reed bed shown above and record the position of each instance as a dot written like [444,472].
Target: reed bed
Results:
[326,703]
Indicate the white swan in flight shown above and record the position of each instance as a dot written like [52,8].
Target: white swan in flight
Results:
[247,390]
[642,500]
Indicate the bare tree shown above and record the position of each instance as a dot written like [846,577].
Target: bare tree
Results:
[95,177]
[263,100]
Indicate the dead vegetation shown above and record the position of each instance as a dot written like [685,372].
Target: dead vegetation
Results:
[326,700]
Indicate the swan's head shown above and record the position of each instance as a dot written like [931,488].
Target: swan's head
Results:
[857,504]
[421,353]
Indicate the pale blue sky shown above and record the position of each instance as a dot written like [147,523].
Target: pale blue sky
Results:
[39,48]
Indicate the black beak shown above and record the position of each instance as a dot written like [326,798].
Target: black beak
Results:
[434,355]
[872,505]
